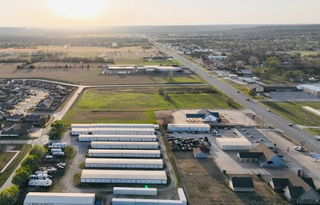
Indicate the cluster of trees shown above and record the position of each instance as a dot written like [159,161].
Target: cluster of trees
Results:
[57,129]
[9,195]
[29,164]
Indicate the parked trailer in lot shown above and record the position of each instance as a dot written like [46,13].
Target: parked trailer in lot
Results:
[125,138]
[124,145]
[124,163]
[58,145]
[40,182]
[121,153]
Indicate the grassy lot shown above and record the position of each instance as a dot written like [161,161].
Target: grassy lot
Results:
[294,112]
[205,184]
[136,105]
[315,131]
[5,157]
[23,152]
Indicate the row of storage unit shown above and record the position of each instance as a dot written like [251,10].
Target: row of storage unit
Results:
[124,145]
[123,176]
[51,198]
[189,127]
[135,191]
[114,126]
[124,153]
[124,163]
[112,131]
[126,138]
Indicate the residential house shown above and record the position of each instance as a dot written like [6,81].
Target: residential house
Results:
[263,155]
[44,105]
[244,72]
[15,118]
[256,88]
[16,130]
[241,184]
[296,189]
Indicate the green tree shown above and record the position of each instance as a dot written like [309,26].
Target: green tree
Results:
[24,168]
[20,177]
[272,61]
[56,129]
[69,152]
[32,161]
[251,93]
[9,195]
[38,150]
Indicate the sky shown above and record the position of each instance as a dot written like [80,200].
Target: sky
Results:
[94,13]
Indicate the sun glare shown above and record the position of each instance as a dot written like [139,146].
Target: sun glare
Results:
[78,9]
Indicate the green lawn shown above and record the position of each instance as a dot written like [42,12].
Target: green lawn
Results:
[136,106]
[5,157]
[315,131]
[294,112]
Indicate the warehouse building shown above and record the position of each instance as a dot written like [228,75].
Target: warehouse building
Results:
[311,89]
[125,201]
[254,136]
[189,127]
[50,198]
[124,163]
[234,144]
[127,138]
[112,131]
[123,177]
[136,126]
[124,153]
[135,191]
[124,145]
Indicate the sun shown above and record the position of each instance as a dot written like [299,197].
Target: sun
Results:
[78,9]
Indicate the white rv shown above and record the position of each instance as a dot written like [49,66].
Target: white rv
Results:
[44,182]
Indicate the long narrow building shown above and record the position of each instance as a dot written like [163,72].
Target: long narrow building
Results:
[123,177]
[127,138]
[124,145]
[50,198]
[124,163]
[124,153]
[112,131]
[114,126]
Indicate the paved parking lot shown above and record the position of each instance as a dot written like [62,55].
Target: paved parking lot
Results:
[292,96]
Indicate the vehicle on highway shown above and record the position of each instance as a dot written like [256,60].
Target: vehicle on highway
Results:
[268,110]
[247,99]
[298,148]
[291,125]
[317,138]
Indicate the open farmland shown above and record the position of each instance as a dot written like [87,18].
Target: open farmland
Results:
[294,112]
[205,184]
[90,75]
[137,105]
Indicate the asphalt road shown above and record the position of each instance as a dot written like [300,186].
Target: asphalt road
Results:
[277,121]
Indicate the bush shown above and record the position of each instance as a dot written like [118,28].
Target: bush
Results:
[32,161]
[21,177]
[9,196]
[38,150]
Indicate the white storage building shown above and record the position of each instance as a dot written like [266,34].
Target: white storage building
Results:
[114,126]
[125,201]
[124,145]
[50,198]
[124,163]
[311,89]
[112,131]
[189,127]
[124,153]
[234,143]
[128,138]
[123,176]
[135,191]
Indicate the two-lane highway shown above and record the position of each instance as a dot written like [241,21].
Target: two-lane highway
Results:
[277,121]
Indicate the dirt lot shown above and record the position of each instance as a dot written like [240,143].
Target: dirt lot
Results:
[205,184]
[91,76]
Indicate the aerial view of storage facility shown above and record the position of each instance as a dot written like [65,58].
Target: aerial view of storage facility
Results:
[124,163]
[124,145]
[127,138]
[114,126]
[124,176]
[120,153]
[112,131]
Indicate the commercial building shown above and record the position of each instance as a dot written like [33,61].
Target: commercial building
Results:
[128,138]
[135,191]
[189,127]
[50,198]
[124,153]
[112,131]
[233,144]
[73,126]
[123,177]
[254,136]
[311,89]
[125,201]
[124,145]
[124,163]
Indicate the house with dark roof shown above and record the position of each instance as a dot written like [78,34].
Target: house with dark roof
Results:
[44,105]
[197,153]
[15,130]
[15,118]
[263,155]
[241,184]
[296,189]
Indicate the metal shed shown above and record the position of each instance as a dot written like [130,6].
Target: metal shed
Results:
[50,198]
[124,145]
[123,177]
[124,153]
[135,191]
[113,126]
[112,131]
[189,127]
[124,163]
[127,138]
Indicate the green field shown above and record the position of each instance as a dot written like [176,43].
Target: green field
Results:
[315,131]
[137,105]
[294,112]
